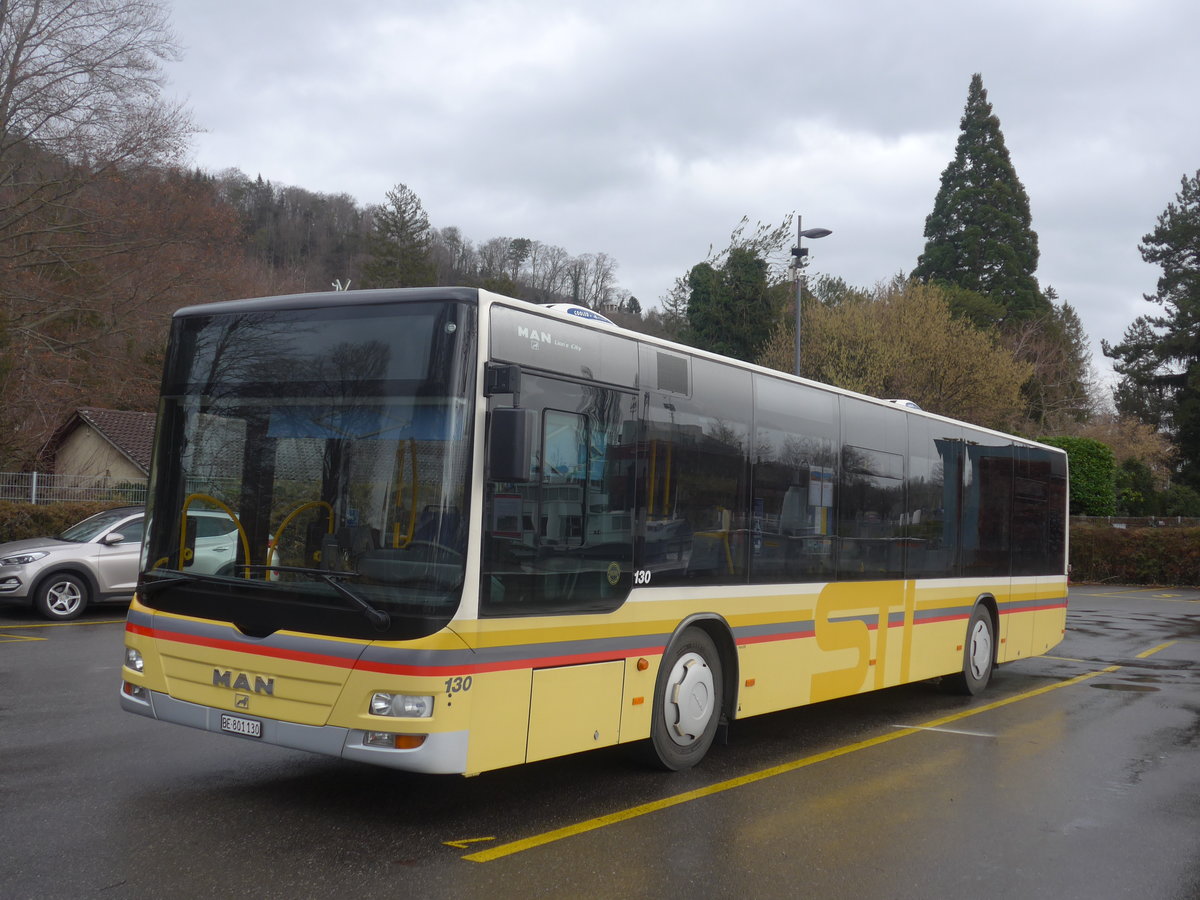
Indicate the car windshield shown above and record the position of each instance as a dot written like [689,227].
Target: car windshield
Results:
[93,526]
[311,469]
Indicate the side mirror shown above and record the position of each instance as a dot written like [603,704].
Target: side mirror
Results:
[113,537]
[511,439]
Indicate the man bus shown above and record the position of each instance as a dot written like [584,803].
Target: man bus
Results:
[473,532]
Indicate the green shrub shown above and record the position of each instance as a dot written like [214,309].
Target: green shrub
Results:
[1093,471]
[1180,500]
[1102,554]
[28,520]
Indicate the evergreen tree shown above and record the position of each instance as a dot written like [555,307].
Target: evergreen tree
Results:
[1159,358]
[730,310]
[979,235]
[401,244]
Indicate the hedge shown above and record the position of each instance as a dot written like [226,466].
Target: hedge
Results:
[1168,556]
[28,520]
[1093,475]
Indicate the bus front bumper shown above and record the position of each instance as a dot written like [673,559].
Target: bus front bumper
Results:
[439,753]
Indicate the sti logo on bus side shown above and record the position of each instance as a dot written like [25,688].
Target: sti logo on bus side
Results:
[225,679]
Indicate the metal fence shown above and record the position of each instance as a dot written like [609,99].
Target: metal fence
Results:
[45,487]
[1138,521]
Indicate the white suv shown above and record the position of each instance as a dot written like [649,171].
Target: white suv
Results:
[97,560]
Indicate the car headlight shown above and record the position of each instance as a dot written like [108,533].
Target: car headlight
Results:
[405,706]
[23,559]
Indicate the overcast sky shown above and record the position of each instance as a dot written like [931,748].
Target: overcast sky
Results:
[646,129]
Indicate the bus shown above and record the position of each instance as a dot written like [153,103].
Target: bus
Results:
[471,532]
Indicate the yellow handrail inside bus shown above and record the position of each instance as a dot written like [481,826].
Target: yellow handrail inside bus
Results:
[229,512]
[274,542]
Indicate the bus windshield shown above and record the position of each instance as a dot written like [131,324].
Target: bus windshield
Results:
[311,468]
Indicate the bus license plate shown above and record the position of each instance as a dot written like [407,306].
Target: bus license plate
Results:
[238,725]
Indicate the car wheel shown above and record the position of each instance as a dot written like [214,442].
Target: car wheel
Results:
[61,597]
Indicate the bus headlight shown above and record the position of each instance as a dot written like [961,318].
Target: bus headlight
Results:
[133,659]
[405,706]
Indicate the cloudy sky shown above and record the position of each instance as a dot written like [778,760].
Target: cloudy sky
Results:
[646,129]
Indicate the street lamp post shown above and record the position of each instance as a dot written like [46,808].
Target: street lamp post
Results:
[800,252]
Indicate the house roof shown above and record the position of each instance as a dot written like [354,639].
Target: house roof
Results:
[131,433]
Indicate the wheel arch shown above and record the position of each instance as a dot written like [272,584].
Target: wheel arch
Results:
[988,602]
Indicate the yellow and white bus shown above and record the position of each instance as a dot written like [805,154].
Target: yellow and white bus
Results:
[473,532]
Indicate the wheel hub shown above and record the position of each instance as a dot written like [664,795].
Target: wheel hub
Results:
[689,706]
[979,651]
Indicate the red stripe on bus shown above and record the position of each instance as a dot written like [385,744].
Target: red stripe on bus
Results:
[768,638]
[392,668]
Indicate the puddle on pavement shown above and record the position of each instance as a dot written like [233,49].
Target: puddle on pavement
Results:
[1118,686]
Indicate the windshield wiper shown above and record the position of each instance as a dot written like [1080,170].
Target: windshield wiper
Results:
[149,587]
[377,617]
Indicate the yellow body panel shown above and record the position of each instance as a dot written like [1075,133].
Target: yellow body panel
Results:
[534,688]
[574,708]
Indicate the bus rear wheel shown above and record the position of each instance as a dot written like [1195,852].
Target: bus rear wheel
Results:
[687,701]
[979,656]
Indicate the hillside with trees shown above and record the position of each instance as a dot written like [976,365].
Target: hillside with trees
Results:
[104,232]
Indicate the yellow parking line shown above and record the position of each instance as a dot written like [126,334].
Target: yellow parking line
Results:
[13,638]
[558,834]
[65,624]
[1154,650]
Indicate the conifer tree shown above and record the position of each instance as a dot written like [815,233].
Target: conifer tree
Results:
[1159,359]
[401,245]
[979,235]
[730,309]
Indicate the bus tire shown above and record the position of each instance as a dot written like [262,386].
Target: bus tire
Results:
[687,701]
[61,597]
[979,655]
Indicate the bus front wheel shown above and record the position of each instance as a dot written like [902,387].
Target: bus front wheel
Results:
[687,701]
[979,655]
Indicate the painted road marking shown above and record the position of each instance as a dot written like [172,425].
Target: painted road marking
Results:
[462,844]
[558,834]
[6,638]
[12,638]
[948,731]
[1136,592]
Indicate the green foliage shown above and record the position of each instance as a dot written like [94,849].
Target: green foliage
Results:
[1093,475]
[979,235]
[401,244]
[730,310]
[980,310]
[1181,500]
[19,521]
[1159,358]
[1168,556]
[1136,493]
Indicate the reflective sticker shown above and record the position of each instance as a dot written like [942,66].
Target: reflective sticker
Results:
[614,573]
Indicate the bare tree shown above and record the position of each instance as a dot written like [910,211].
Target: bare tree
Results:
[547,272]
[80,95]
[80,110]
